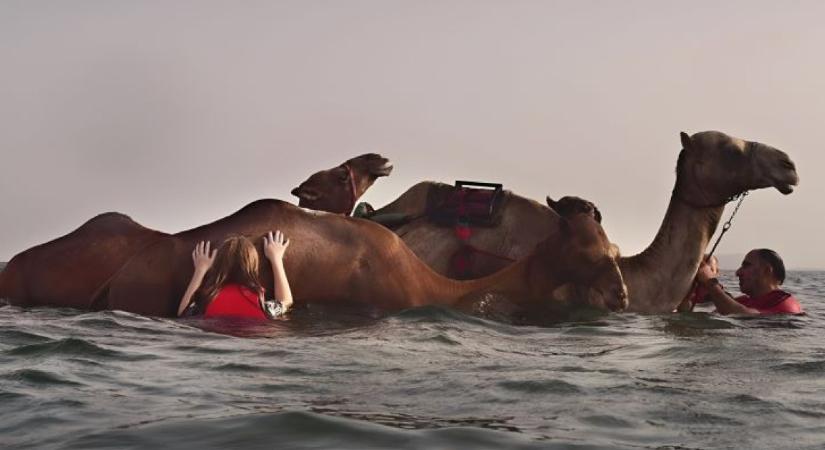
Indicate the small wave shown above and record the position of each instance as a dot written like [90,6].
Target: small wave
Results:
[312,430]
[39,378]
[14,337]
[552,386]
[607,421]
[238,367]
[804,367]
[73,347]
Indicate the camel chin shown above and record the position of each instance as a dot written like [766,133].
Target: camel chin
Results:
[785,188]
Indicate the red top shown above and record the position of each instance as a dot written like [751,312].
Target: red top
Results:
[234,300]
[699,295]
[774,302]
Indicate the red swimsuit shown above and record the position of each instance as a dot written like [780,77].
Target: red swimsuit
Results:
[234,300]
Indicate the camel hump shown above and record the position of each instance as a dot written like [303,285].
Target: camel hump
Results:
[265,205]
[263,208]
[109,222]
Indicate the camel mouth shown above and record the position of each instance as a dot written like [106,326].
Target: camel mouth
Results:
[383,170]
[304,195]
[787,183]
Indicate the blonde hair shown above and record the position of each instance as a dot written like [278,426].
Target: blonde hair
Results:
[236,262]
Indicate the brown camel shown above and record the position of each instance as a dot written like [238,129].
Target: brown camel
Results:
[69,270]
[336,190]
[342,260]
[523,223]
[712,168]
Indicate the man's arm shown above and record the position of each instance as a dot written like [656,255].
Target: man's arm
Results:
[725,304]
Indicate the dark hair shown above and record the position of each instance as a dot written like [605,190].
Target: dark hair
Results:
[772,259]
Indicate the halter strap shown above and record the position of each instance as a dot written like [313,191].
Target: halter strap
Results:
[353,193]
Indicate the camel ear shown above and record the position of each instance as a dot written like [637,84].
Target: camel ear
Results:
[597,214]
[686,142]
[551,203]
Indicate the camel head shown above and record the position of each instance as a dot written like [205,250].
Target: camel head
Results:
[569,205]
[336,190]
[713,167]
[586,263]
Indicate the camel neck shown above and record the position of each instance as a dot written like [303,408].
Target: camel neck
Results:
[510,281]
[660,276]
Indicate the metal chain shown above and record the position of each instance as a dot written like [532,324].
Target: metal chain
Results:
[727,224]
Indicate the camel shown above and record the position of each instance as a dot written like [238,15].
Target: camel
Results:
[336,190]
[711,168]
[523,224]
[342,261]
[69,270]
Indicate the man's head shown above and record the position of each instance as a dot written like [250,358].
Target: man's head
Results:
[761,271]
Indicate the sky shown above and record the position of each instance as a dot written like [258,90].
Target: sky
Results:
[178,113]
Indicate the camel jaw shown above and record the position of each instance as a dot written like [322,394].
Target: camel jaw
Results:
[785,188]
[786,183]
[303,195]
[776,168]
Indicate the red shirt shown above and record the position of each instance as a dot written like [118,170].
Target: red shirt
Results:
[774,302]
[234,300]
[699,295]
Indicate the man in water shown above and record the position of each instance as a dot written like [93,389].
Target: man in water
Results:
[760,275]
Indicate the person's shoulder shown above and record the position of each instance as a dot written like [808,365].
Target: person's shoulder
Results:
[790,305]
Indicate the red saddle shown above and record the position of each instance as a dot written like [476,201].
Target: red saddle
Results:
[467,203]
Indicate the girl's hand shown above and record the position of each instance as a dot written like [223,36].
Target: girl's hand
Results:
[275,246]
[202,257]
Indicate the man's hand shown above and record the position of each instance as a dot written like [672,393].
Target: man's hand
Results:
[705,273]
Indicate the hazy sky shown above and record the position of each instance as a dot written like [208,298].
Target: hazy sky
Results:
[179,113]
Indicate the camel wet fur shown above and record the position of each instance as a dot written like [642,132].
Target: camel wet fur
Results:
[336,260]
[331,190]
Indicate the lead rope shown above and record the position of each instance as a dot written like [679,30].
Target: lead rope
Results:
[727,224]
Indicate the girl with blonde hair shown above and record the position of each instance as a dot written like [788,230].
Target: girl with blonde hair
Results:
[225,282]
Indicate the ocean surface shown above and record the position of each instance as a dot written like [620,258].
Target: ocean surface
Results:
[425,378]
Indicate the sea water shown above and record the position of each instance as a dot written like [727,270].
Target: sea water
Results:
[424,378]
